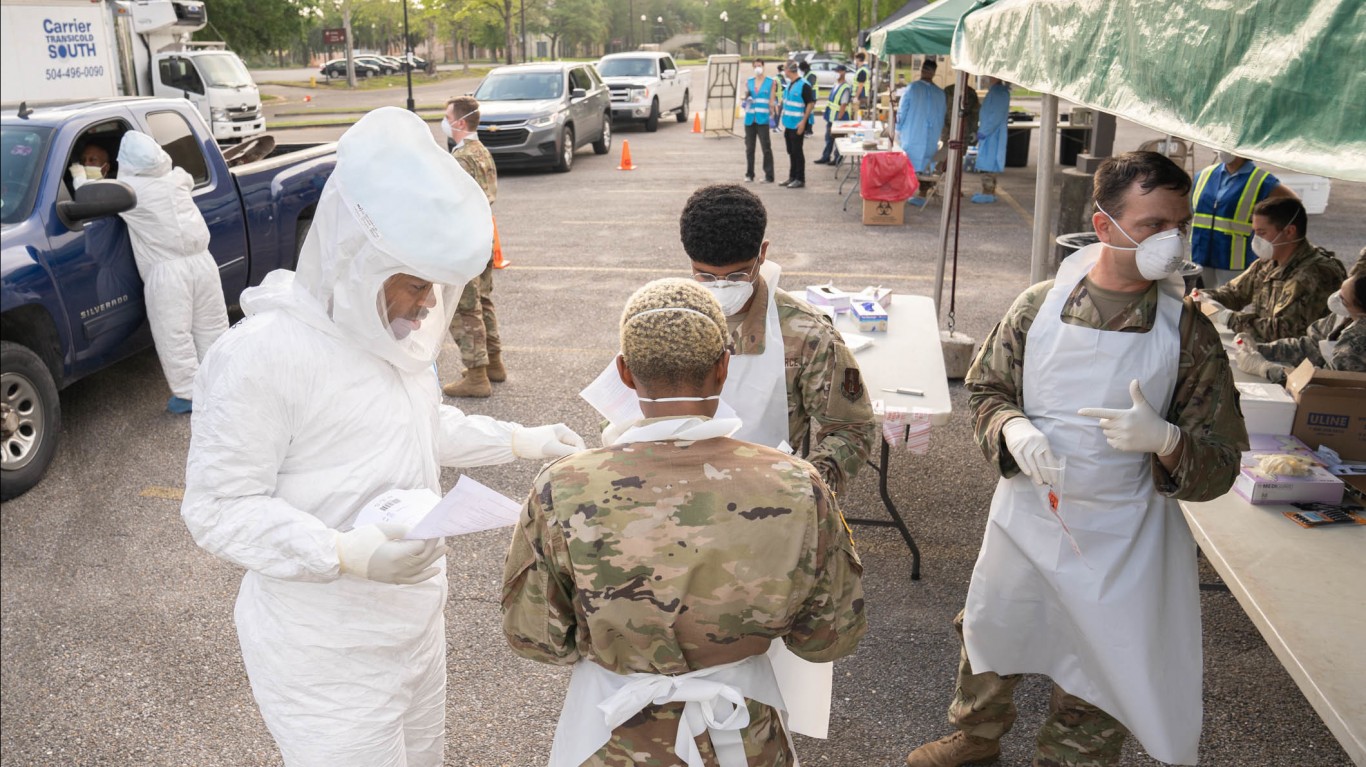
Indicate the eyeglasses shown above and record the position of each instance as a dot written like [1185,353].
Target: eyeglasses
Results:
[707,277]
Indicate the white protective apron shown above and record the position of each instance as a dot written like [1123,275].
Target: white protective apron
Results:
[756,384]
[1119,624]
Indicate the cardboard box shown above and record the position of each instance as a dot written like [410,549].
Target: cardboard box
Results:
[1313,191]
[1267,408]
[1331,409]
[1257,487]
[879,294]
[882,213]
[827,295]
[872,318]
[1262,444]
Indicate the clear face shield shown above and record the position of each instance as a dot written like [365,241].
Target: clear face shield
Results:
[416,313]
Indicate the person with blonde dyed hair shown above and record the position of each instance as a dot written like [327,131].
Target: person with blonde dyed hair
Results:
[664,565]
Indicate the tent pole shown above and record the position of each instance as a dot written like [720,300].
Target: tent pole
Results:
[947,195]
[1043,189]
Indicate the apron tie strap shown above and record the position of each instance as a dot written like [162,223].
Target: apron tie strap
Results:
[708,706]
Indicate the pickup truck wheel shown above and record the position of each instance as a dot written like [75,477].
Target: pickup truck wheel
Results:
[652,122]
[604,144]
[30,419]
[566,161]
[683,110]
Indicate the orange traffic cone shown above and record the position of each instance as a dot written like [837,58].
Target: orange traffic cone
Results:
[696,122]
[626,157]
[498,262]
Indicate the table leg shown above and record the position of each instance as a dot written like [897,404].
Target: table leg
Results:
[896,520]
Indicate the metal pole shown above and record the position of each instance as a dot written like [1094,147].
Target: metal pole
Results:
[630,23]
[408,58]
[1043,189]
[948,192]
[524,50]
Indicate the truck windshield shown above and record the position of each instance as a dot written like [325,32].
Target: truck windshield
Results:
[521,86]
[222,70]
[22,149]
[627,68]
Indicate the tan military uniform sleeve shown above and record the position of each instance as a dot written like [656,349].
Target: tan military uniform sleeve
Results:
[831,622]
[995,382]
[1292,351]
[1205,407]
[831,393]
[538,607]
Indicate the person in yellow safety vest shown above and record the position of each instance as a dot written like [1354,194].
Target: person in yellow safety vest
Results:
[836,108]
[1222,201]
[862,80]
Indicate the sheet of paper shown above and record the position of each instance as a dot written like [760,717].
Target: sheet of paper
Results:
[468,508]
[855,342]
[806,689]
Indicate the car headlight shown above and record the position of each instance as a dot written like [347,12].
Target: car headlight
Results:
[640,94]
[544,120]
[216,113]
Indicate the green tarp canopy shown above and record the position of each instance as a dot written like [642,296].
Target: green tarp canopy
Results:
[928,30]
[1279,82]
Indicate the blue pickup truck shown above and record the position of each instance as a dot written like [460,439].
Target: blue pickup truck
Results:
[70,296]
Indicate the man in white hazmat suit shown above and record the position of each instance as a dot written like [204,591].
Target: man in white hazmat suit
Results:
[182,289]
[324,397]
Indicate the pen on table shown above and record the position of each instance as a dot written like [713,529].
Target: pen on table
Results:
[912,392]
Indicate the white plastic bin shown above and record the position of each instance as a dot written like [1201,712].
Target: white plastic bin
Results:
[1312,190]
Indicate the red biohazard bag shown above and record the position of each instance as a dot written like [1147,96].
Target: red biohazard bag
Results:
[887,177]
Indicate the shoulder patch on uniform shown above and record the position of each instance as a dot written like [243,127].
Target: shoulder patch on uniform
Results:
[852,388]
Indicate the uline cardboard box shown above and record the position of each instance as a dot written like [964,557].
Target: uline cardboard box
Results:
[1330,409]
[883,213]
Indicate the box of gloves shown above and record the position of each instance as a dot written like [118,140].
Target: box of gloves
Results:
[1267,408]
[1281,469]
[871,317]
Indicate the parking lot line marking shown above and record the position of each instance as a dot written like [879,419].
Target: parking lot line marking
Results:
[167,493]
[568,349]
[1015,204]
[786,273]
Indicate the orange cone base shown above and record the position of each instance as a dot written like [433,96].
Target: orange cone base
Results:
[626,157]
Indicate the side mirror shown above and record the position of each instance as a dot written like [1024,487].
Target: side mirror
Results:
[96,199]
[578,93]
[669,74]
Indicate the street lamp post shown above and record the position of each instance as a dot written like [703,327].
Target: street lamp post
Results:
[408,58]
[763,32]
[725,17]
[643,20]
[630,23]
[659,29]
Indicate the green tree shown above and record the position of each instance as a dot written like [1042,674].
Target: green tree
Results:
[574,23]
[255,26]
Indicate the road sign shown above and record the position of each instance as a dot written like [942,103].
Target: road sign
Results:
[334,36]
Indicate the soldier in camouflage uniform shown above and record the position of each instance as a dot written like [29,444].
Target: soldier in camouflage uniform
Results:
[1285,289]
[475,326]
[828,409]
[1335,342]
[676,550]
[1203,408]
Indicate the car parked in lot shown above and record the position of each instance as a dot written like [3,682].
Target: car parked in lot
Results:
[337,68]
[385,66]
[645,84]
[539,114]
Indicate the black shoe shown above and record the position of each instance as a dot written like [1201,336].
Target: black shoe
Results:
[768,180]
[749,179]
[822,162]
[798,184]
[787,182]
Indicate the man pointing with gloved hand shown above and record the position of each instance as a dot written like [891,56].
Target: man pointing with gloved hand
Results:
[322,399]
[1091,580]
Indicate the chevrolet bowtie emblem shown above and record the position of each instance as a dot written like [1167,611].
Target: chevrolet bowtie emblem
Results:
[493,129]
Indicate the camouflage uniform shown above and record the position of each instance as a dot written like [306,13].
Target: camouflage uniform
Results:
[823,385]
[667,557]
[972,108]
[475,327]
[1281,301]
[1204,405]
[1349,354]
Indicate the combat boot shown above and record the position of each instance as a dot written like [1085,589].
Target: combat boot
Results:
[497,373]
[474,384]
[957,750]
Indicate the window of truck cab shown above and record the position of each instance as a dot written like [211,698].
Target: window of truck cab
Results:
[174,134]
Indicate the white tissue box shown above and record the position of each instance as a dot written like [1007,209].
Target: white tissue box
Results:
[1267,408]
[878,294]
[871,316]
[828,295]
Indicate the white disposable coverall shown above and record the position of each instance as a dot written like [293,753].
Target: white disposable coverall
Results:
[183,292]
[307,409]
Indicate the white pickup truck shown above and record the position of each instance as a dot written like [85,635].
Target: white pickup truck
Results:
[644,85]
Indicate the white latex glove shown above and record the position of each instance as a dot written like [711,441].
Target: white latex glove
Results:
[1222,316]
[379,553]
[1140,429]
[1245,339]
[1029,447]
[1250,361]
[77,171]
[550,441]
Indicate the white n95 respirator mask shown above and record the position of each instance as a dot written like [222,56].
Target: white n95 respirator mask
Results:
[1337,306]
[1157,257]
[731,295]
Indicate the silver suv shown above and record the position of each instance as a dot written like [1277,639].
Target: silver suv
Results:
[539,114]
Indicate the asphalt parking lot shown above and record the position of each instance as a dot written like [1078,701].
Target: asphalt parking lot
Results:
[118,646]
